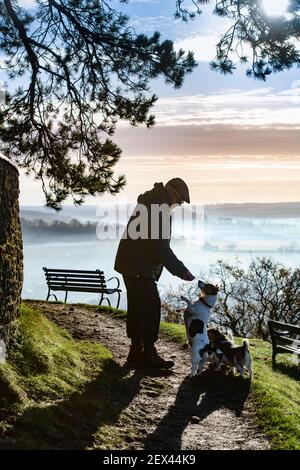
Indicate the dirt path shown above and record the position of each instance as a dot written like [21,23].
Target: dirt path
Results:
[167,410]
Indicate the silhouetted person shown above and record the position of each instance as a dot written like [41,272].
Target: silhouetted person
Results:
[142,253]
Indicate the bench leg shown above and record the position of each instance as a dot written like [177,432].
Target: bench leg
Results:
[66,296]
[104,298]
[108,301]
[118,303]
[49,295]
[274,360]
[53,296]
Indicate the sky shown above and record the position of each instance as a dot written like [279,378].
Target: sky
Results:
[232,139]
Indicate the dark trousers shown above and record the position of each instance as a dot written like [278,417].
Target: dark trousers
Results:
[143,309]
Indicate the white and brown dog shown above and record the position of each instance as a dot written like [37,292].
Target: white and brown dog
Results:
[230,354]
[196,318]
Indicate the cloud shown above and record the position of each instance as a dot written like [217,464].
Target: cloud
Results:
[224,141]
[263,107]
[27,3]
[188,35]
[204,47]
[149,24]
[144,1]
[220,163]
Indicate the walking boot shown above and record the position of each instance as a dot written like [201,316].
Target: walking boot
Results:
[152,360]
[135,353]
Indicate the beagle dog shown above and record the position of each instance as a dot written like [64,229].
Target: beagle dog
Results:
[230,354]
[196,318]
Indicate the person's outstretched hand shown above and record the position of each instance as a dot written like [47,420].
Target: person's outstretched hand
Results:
[188,276]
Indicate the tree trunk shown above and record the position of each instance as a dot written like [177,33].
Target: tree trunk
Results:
[11,249]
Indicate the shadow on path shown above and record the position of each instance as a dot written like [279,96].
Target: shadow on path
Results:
[198,397]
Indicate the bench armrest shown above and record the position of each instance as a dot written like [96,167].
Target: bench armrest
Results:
[118,281]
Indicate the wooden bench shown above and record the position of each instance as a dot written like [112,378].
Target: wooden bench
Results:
[68,280]
[285,339]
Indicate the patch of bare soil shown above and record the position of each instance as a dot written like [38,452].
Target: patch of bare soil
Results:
[166,409]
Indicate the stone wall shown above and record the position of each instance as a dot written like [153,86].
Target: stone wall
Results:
[11,249]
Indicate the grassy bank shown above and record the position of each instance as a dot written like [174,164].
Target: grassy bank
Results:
[55,392]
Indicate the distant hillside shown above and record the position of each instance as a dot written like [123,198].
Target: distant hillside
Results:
[86,213]
[39,229]
[29,214]
[255,210]
[89,213]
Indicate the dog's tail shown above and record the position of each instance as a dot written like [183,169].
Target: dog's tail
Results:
[185,299]
[246,344]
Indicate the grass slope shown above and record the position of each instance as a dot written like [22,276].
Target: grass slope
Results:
[55,391]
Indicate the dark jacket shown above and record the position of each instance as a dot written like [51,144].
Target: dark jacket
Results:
[146,257]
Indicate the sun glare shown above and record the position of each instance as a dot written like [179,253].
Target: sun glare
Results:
[275,7]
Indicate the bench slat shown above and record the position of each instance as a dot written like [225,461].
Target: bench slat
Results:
[75,276]
[285,340]
[285,326]
[75,284]
[86,289]
[63,280]
[288,349]
[66,276]
[74,271]
[280,332]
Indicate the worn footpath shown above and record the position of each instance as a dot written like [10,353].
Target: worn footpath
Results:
[166,409]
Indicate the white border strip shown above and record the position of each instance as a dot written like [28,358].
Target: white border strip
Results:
[9,161]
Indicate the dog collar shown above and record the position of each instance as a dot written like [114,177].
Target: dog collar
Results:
[205,303]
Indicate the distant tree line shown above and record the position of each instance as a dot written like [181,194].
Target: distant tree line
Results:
[248,297]
[60,227]
[74,225]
